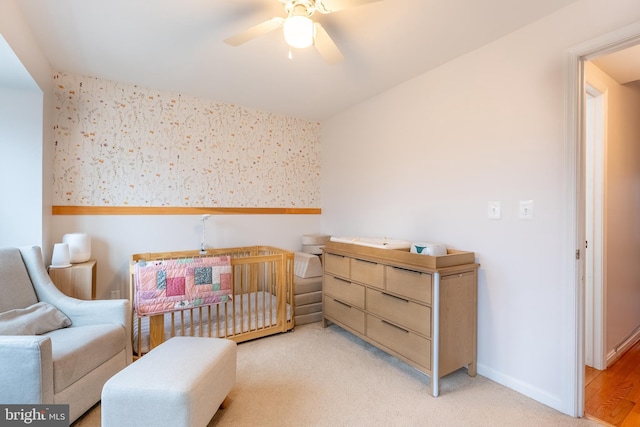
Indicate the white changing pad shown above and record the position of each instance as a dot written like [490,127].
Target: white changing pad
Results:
[382,243]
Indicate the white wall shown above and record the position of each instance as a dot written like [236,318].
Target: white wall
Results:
[421,161]
[20,166]
[622,208]
[19,37]
[622,195]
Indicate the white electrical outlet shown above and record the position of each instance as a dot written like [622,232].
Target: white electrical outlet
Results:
[526,209]
[115,294]
[494,210]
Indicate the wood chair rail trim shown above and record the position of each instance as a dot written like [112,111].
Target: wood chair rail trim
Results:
[178,210]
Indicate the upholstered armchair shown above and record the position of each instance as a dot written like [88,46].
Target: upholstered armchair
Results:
[55,349]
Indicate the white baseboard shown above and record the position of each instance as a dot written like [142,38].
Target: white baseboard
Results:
[622,348]
[528,390]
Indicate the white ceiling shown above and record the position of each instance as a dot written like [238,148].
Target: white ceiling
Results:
[177,45]
[622,66]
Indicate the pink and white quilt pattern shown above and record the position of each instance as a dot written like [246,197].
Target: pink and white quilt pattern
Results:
[176,284]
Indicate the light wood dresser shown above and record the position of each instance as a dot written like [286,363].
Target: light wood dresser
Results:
[419,308]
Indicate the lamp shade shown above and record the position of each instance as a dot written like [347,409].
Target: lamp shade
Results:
[79,246]
[298,31]
[60,257]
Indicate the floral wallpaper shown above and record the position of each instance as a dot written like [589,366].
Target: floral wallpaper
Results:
[119,144]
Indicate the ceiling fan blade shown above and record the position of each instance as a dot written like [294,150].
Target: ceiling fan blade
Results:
[330,6]
[255,31]
[325,45]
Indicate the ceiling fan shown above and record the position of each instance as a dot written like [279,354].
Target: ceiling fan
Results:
[299,30]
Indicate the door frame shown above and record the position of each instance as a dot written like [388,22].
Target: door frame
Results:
[574,219]
[595,295]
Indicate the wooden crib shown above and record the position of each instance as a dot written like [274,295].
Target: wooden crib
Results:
[262,300]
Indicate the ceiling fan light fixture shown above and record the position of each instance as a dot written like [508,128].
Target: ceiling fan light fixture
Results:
[298,31]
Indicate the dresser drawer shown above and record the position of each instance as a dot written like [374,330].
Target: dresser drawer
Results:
[344,290]
[368,272]
[344,313]
[400,311]
[409,283]
[336,264]
[404,342]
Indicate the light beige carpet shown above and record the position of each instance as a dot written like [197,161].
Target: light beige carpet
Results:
[328,377]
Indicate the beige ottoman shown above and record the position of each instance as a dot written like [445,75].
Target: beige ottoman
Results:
[182,382]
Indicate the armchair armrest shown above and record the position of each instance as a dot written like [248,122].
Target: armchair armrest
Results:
[94,312]
[80,312]
[26,371]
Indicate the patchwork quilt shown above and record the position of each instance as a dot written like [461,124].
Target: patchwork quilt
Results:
[175,284]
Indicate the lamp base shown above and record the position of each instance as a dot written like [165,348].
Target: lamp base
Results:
[60,266]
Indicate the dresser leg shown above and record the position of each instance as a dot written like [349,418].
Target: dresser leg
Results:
[434,387]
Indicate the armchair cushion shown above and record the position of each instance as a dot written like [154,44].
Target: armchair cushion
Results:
[37,319]
[79,350]
[17,290]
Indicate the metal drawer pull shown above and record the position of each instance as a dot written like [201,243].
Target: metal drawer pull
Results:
[341,303]
[407,270]
[365,260]
[395,326]
[454,275]
[393,296]
[342,280]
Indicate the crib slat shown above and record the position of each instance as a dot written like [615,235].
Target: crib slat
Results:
[139,336]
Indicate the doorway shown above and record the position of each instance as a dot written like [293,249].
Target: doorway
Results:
[612,169]
[576,186]
[611,108]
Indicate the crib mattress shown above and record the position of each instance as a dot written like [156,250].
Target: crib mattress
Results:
[308,298]
[253,311]
[308,318]
[315,307]
[304,286]
[314,239]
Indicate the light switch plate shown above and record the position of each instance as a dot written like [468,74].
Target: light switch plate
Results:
[494,210]
[526,209]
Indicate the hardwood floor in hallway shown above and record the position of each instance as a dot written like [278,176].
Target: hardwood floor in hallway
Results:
[613,395]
